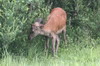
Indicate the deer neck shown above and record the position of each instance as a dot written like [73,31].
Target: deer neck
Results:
[43,32]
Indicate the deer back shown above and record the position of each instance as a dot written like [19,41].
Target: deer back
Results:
[56,20]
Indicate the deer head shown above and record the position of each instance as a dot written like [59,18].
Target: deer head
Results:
[36,28]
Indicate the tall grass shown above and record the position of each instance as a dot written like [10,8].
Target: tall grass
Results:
[71,55]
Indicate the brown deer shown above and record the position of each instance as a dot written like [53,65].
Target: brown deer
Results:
[55,24]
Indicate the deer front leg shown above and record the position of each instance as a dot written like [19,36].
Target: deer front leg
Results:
[53,44]
[47,43]
[58,42]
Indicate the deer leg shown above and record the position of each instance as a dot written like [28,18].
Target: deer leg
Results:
[53,44]
[64,34]
[57,45]
[47,43]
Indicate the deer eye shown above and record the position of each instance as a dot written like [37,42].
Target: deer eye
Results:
[34,28]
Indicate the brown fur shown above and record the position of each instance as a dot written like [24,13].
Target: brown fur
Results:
[56,20]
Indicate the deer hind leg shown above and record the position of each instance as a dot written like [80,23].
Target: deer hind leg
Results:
[57,43]
[64,34]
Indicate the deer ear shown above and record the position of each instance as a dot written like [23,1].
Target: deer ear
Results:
[32,25]
[39,20]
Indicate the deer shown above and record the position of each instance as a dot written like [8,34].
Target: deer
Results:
[54,25]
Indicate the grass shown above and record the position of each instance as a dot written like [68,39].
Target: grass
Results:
[83,54]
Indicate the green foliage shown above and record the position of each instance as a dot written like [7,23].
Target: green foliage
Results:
[15,22]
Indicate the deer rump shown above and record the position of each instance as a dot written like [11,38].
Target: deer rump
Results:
[55,24]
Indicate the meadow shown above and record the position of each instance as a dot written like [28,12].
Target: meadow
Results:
[85,53]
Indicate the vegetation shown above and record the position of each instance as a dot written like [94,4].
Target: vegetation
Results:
[83,26]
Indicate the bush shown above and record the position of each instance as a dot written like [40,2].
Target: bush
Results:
[15,22]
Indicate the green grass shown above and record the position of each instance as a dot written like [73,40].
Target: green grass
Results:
[71,56]
[83,53]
